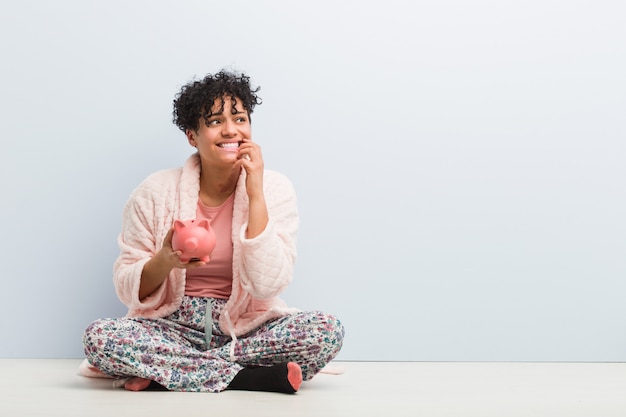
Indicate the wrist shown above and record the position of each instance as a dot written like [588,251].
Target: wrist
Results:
[162,261]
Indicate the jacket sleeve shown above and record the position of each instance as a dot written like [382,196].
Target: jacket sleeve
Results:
[141,237]
[268,259]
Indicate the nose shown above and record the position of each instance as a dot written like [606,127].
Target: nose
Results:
[228,129]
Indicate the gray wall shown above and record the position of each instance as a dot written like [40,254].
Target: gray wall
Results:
[459,164]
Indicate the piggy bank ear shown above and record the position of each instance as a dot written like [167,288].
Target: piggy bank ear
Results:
[204,223]
[178,225]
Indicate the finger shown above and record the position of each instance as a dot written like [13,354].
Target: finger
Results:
[168,237]
[251,153]
[245,155]
[194,264]
[247,144]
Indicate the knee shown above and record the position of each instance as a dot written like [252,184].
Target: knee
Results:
[95,329]
[340,330]
[331,331]
[95,335]
[337,327]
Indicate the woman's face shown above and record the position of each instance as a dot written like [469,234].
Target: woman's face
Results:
[218,143]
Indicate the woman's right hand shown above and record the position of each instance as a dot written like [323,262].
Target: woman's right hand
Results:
[172,257]
[156,270]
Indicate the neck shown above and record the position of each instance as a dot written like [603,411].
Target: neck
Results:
[217,186]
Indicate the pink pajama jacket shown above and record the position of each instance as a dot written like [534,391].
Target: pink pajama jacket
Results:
[262,266]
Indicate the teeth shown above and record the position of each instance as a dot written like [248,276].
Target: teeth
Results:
[231,145]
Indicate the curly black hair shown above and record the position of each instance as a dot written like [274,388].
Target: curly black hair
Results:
[195,99]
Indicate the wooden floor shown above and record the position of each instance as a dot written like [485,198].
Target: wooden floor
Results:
[53,388]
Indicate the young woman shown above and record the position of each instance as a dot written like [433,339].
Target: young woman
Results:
[220,325]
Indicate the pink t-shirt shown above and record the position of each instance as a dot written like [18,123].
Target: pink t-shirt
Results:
[215,280]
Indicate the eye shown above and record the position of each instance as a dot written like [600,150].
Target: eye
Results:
[241,119]
[213,122]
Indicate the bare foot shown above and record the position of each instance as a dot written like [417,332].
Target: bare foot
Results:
[137,384]
[294,375]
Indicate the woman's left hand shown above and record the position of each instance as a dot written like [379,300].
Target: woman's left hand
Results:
[250,158]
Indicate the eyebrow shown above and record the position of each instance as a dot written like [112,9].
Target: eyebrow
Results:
[220,113]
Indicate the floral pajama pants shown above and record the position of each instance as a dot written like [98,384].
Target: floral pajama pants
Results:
[173,351]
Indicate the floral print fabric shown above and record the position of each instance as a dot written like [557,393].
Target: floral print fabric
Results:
[173,350]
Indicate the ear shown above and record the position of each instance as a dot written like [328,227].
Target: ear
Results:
[191,137]
[178,225]
[204,223]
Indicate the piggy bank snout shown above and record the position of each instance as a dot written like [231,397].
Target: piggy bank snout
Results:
[190,243]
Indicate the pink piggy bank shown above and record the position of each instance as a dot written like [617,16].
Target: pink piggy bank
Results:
[194,238]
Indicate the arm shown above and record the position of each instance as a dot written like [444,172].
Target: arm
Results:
[147,278]
[251,159]
[268,259]
[267,243]
[138,247]
[158,268]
